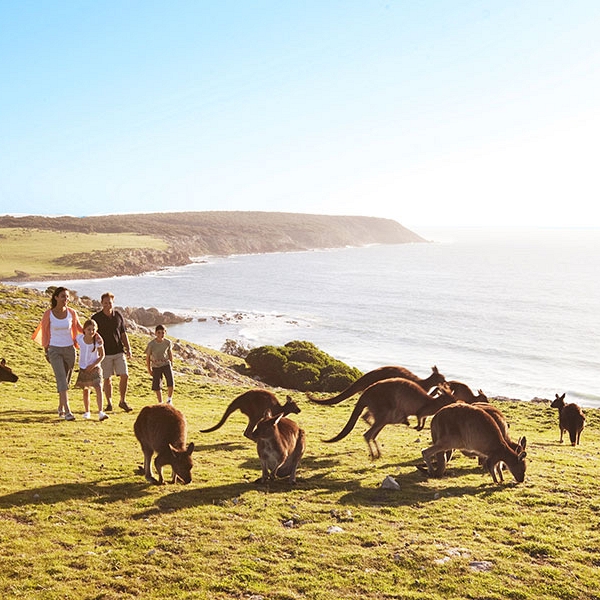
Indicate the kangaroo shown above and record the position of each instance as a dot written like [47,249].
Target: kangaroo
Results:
[463,392]
[280,444]
[465,427]
[161,428]
[389,372]
[391,401]
[6,374]
[570,418]
[500,419]
[253,404]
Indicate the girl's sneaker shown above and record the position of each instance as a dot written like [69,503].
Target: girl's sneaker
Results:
[102,416]
[87,415]
[69,417]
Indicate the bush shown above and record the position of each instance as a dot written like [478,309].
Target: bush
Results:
[300,365]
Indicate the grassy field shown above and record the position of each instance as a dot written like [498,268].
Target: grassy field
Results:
[34,251]
[79,523]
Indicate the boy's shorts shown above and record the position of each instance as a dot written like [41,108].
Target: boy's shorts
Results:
[158,372]
[114,364]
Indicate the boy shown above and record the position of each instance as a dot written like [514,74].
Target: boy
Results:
[159,361]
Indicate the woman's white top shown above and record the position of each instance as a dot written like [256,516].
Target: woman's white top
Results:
[60,331]
[88,355]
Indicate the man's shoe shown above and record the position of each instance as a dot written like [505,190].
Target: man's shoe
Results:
[109,407]
[125,406]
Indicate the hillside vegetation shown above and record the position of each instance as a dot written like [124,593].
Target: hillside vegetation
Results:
[79,523]
[104,253]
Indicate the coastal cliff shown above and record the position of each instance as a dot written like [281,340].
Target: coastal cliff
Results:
[193,234]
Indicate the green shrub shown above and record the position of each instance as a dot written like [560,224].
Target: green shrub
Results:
[300,365]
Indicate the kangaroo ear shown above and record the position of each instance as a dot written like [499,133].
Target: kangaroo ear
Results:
[172,448]
[278,419]
[434,369]
[2,362]
[267,414]
[522,455]
[190,448]
[522,443]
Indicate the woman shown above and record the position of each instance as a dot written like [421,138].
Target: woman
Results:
[57,333]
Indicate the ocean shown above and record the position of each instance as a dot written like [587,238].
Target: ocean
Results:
[515,313]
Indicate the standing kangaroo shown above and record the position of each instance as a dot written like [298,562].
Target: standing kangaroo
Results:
[466,427]
[391,401]
[161,428]
[389,372]
[570,418]
[280,444]
[253,404]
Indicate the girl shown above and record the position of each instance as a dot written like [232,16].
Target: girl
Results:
[91,353]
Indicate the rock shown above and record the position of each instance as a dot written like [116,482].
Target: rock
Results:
[389,483]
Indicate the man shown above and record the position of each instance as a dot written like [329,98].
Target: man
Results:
[111,328]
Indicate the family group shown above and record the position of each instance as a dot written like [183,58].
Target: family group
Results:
[103,352]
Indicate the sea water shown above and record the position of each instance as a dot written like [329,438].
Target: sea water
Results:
[514,313]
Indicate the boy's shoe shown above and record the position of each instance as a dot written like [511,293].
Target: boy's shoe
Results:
[125,406]
[109,407]
[102,416]
[69,417]
[87,415]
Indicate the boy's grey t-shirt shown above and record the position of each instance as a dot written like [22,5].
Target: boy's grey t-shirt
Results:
[158,352]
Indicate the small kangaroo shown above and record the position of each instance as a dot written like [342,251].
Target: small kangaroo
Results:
[463,392]
[161,428]
[253,404]
[389,372]
[6,374]
[570,418]
[280,444]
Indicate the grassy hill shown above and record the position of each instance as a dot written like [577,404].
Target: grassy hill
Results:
[130,244]
[78,523]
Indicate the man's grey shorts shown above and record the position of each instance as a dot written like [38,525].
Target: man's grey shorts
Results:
[114,364]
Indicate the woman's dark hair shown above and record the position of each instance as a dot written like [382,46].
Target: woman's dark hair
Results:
[56,293]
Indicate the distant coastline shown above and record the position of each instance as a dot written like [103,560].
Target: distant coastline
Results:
[194,234]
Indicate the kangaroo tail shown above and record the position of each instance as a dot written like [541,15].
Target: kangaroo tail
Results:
[231,408]
[359,385]
[358,409]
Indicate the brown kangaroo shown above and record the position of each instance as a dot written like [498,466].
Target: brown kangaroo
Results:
[280,444]
[463,392]
[465,427]
[389,372]
[6,374]
[391,401]
[570,418]
[161,428]
[253,404]
[500,419]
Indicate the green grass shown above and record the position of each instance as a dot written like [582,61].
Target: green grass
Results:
[77,522]
[34,251]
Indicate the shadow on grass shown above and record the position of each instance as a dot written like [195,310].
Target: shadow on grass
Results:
[102,492]
[28,416]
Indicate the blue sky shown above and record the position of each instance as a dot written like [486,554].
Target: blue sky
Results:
[428,112]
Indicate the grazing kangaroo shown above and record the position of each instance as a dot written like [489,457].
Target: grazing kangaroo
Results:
[570,418]
[253,404]
[500,419]
[280,444]
[391,401]
[362,383]
[463,392]
[161,428]
[6,374]
[465,427]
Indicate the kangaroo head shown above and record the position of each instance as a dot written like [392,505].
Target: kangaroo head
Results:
[182,463]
